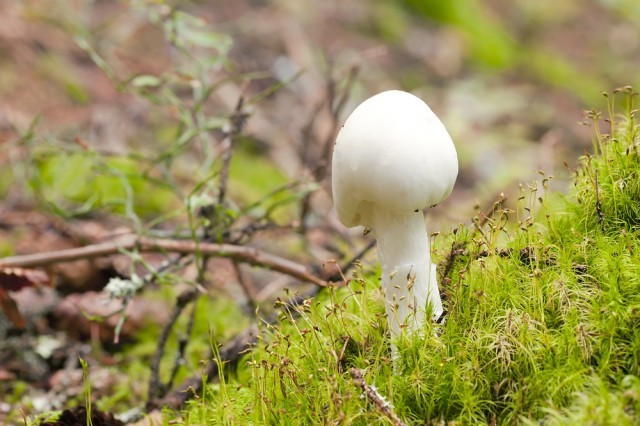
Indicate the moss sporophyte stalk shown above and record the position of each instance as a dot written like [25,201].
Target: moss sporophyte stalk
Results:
[543,301]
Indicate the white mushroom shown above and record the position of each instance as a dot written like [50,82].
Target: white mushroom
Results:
[392,158]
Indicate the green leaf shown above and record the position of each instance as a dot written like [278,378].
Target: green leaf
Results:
[146,81]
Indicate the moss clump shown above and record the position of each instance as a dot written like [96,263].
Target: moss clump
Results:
[608,183]
[543,325]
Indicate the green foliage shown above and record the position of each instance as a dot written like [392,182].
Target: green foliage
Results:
[213,317]
[302,365]
[544,312]
[252,175]
[152,182]
[80,182]
[555,70]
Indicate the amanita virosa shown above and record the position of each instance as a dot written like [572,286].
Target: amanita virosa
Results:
[392,158]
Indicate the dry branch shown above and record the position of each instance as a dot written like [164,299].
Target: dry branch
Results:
[156,387]
[249,255]
[374,396]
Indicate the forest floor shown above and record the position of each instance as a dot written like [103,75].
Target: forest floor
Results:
[137,128]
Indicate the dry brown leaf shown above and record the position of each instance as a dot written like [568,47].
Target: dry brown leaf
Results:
[15,279]
[10,309]
[91,314]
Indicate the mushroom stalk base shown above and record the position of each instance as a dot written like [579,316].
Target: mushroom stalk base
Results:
[408,279]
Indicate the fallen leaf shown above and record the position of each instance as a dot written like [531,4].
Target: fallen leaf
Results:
[10,309]
[14,279]
[92,314]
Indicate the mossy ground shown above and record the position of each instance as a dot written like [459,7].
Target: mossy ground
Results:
[543,301]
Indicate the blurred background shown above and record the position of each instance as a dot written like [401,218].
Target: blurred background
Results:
[510,79]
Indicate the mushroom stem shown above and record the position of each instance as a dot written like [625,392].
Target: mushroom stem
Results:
[407,279]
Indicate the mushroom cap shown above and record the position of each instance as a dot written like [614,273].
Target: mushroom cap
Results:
[392,152]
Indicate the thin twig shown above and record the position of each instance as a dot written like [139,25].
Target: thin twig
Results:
[372,394]
[321,159]
[250,255]
[238,120]
[246,288]
[156,388]
[336,111]
[182,347]
[148,278]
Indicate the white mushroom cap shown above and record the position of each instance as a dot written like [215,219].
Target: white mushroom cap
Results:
[394,152]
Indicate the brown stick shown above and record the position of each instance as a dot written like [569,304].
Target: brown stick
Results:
[374,396]
[238,119]
[250,255]
[156,387]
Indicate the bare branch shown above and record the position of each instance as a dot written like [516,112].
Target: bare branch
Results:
[238,120]
[374,396]
[249,255]
[156,388]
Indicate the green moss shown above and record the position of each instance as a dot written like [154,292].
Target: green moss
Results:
[544,313]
